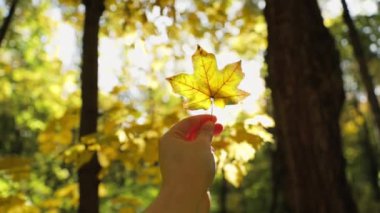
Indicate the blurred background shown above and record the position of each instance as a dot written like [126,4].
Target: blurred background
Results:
[50,66]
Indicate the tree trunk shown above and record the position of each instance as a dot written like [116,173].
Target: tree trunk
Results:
[307,91]
[7,21]
[88,173]
[363,67]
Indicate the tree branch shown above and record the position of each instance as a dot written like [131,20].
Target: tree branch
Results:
[7,21]
[362,61]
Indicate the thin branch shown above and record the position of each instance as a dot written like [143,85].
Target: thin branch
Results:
[363,66]
[7,21]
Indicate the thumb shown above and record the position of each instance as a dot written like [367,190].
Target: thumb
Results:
[206,132]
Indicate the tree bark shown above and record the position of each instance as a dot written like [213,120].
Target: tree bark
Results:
[363,67]
[307,91]
[7,21]
[88,173]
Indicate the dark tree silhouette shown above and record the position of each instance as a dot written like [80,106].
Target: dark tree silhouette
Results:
[7,21]
[88,173]
[307,92]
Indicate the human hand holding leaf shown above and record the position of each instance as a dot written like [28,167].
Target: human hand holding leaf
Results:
[208,84]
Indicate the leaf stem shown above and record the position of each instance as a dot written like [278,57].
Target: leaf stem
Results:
[212,106]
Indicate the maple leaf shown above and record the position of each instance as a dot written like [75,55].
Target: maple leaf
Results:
[208,84]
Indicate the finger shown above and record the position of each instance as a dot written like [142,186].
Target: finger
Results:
[191,125]
[218,129]
[205,132]
[193,132]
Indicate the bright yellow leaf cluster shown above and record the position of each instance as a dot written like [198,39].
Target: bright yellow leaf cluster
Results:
[237,146]
[17,203]
[16,167]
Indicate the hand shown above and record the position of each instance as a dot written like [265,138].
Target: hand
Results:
[187,164]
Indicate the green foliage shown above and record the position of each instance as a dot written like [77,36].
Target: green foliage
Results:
[31,83]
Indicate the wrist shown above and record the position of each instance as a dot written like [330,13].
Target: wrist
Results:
[176,199]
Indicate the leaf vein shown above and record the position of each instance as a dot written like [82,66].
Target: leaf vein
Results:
[225,82]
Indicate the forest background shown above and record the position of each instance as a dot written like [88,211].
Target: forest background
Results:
[84,100]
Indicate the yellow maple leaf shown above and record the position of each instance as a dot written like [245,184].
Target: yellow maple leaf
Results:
[208,84]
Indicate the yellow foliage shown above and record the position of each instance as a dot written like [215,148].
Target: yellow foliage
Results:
[16,204]
[70,191]
[242,152]
[102,190]
[150,153]
[173,32]
[51,203]
[127,203]
[329,22]
[15,166]
[234,173]
[78,155]
[118,89]
[70,2]
[241,134]
[103,159]
[58,135]
[352,121]
[5,88]
[351,128]
[165,3]
[237,146]
[253,33]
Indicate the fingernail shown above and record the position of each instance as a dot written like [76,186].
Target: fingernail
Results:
[192,134]
[218,128]
[211,118]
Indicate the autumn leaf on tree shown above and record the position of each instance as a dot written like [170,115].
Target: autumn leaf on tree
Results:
[209,85]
